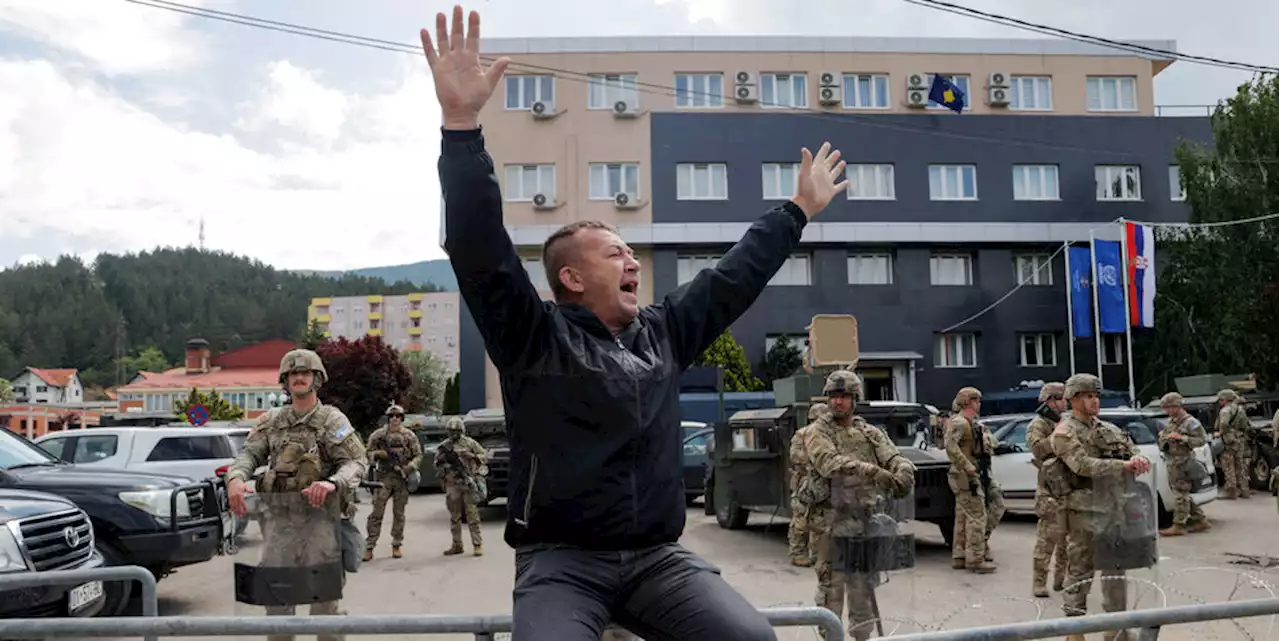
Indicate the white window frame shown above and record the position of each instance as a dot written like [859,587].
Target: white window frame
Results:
[876,175]
[1096,87]
[514,177]
[606,89]
[1113,349]
[537,275]
[962,81]
[698,181]
[796,271]
[1044,357]
[950,179]
[876,95]
[779,91]
[698,92]
[1038,88]
[772,177]
[1177,193]
[948,351]
[530,84]
[942,259]
[872,264]
[599,171]
[688,265]
[1105,176]
[1044,178]
[1041,269]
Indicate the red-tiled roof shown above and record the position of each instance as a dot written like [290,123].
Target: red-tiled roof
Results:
[54,377]
[177,378]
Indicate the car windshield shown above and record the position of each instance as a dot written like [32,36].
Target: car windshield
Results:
[16,451]
[900,424]
[237,440]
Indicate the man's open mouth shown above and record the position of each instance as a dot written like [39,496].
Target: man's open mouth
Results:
[630,288]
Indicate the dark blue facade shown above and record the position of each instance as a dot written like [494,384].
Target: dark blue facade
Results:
[908,314]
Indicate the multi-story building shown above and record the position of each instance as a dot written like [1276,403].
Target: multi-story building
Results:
[683,141]
[59,386]
[248,378]
[413,322]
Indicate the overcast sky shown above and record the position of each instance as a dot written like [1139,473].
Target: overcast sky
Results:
[122,125]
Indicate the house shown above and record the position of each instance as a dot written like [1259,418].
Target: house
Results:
[247,377]
[57,386]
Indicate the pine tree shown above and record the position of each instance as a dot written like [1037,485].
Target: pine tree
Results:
[726,353]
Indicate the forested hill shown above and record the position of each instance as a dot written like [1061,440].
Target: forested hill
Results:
[70,314]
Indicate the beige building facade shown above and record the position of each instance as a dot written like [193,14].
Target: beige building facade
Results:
[410,322]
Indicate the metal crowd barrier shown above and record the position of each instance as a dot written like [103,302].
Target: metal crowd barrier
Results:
[150,600]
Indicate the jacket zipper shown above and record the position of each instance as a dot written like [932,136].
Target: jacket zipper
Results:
[528,494]
[635,507]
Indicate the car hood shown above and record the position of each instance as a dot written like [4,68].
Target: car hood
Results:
[926,458]
[53,477]
[17,504]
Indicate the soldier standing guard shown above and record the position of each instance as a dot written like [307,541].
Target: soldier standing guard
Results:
[460,464]
[1233,425]
[979,506]
[798,531]
[311,452]
[396,452]
[1051,529]
[848,447]
[1178,441]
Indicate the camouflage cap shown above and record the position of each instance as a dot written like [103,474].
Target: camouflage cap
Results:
[817,410]
[1082,383]
[1228,395]
[1051,390]
[455,424]
[842,381]
[964,397]
[302,360]
[1172,399]
[395,409]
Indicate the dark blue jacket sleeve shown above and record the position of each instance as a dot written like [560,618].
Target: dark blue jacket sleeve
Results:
[700,310]
[491,278]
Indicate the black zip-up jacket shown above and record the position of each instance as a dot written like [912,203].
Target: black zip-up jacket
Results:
[593,419]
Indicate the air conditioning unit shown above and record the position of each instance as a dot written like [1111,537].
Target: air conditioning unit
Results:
[828,79]
[918,98]
[539,108]
[745,89]
[829,96]
[624,109]
[918,81]
[998,79]
[744,78]
[622,200]
[998,96]
[540,201]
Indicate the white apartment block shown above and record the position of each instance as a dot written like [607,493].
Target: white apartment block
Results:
[411,322]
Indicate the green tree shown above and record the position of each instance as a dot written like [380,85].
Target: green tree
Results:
[782,360]
[729,355]
[312,335]
[219,408]
[1216,299]
[430,376]
[365,376]
[6,391]
[150,359]
[452,399]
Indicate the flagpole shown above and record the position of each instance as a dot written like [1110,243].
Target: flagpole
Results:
[1128,311]
[1071,324]
[1097,322]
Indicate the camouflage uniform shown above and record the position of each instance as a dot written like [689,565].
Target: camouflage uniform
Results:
[858,451]
[298,450]
[1233,425]
[1092,455]
[461,486]
[1051,529]
[396,452]
[1178,452]
[978,508]
[798,531]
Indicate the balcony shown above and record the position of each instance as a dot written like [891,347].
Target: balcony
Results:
[415,313]
[374,299]
[415,331]
[414,297]
[376,331]
[375,316]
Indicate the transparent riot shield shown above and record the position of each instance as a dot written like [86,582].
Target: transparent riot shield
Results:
[1126,532]
[296,560]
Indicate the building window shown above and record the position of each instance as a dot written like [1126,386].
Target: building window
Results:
[871,269]
[609,180]
[537,274]
[951,269]
[1118,182]
[1030,93]
[523,91]
[688,266]
[795,271]
[1113,349]
[956,350]
[1038,350]
[605,90]
[700,90]
[784,90]
[866,91]
[526,181]
[1176,191]
[961,82]
[702,181]
[1035,182]
[1112,93]
[779,179]
[1033,269]
[953,182]
[869,182]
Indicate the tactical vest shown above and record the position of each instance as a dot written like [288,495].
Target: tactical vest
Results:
[1099,445]
[397,446]
[967,438]
[295,460]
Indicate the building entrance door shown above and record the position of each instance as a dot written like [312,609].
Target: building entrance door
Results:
[877,383]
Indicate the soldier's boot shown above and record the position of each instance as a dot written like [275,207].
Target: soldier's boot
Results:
[395,552]
[1039,590]
[1227,495]
[1039,576]
[455,549]
[1059,582]
[1199,526]
[800,561]
[368,554]
[478,551]
[1173,530]
[983,567]
[957,564]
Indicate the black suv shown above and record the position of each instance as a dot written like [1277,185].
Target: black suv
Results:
[39,533]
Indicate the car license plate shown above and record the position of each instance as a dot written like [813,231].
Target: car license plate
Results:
[83,595]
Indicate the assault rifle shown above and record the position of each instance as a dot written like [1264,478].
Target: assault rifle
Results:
[982,459]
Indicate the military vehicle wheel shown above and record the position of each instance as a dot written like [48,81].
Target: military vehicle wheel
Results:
[1260,470]
[1164,517]
[948,528]
[731,517]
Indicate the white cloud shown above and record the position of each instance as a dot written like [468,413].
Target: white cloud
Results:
[295,100]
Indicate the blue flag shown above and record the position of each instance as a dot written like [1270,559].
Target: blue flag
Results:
[1111,312]
[946,93]
[1080,274]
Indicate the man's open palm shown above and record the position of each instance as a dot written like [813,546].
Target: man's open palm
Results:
[463,86]
[819,179]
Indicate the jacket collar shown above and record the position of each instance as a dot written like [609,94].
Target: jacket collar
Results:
[590,323]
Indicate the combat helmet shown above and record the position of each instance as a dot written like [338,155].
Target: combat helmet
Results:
[454,425]
[842,381]
[303,360]
[1172,399]
[1228,395]
[1079,383]
[394,409]
[1051,390]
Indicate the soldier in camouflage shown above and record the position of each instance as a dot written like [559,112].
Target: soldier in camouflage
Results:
[849,447]
[1233,425]
[396,452]
[1178,441]
[798,532]
[979,505]
[309,448]
[1094,459]
[1051,530]
[460,464]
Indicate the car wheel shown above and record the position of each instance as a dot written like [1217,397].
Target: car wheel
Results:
[732,517]
[1164,518]
[116,593]
[1260,471]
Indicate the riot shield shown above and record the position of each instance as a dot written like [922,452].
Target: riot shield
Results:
[1126,529]
[298,559]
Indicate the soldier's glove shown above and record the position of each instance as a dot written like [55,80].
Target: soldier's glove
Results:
[886,480]
[906,479]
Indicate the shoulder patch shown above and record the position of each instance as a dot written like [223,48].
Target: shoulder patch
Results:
[342,432]
[1062,429]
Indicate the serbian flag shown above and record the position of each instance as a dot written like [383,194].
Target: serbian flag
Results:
[1141,246]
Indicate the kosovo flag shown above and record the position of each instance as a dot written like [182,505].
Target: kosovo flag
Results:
[945,93]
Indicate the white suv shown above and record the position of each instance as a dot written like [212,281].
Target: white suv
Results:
[197,453]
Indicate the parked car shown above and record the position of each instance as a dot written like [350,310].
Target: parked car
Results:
[195,453]
[41,532]
[159,522]
[696,461]
[1012,466]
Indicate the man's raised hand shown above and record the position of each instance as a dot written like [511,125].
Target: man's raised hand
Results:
[817,181]
[462,84]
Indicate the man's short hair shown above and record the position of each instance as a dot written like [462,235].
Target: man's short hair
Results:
[556,252]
